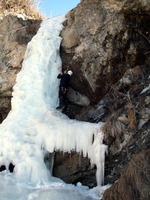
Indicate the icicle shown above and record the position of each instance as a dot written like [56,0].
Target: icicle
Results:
[96,154]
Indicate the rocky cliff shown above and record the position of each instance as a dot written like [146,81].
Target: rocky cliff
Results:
[107,45]
[15,33]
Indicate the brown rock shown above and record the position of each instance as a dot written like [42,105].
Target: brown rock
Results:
[15,33]
[100,42]
[73,168]
[134,183]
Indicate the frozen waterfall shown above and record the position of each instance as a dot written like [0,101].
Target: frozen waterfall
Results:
[34,126]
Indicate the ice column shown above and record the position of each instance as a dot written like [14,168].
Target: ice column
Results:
[96,154]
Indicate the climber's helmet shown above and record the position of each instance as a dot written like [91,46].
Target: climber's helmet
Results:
[70,72]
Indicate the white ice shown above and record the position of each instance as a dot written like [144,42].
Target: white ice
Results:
[34,127]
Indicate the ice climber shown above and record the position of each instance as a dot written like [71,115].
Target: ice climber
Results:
[63,89]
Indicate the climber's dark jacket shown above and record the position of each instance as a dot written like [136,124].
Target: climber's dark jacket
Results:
[65,79]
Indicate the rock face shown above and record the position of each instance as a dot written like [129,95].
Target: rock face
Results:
[101,40]
[74,168]
[15,34]
[134,182]
[107,45]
